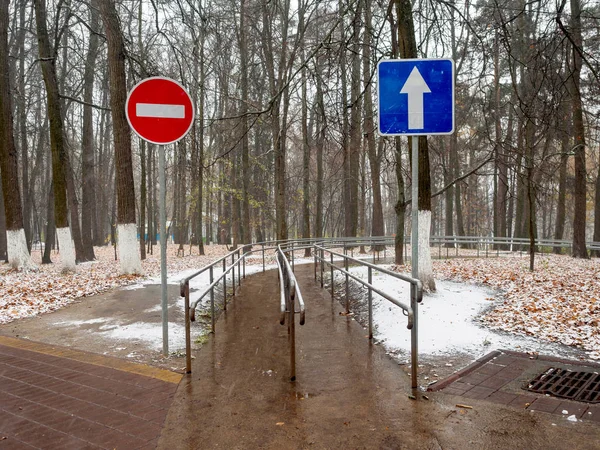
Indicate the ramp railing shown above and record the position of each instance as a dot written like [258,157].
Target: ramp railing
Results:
[410,310]
[289,293]
[237,261]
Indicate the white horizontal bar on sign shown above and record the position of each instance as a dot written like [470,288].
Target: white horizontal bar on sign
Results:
[160,111]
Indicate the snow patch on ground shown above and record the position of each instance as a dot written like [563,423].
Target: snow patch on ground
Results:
[78,323]
[447,321]
[149,334]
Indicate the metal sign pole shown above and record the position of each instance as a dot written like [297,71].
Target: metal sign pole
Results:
[415,258]
[163,248]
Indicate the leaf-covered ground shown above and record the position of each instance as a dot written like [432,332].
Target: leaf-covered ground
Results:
[45,289]
[558,302]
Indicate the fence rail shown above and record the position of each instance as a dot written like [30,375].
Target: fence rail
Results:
[416,292]
[289,293]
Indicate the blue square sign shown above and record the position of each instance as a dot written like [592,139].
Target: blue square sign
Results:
[416,96]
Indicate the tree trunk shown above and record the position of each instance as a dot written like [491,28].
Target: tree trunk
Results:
[305,139]
[88,177]
[200,143]
[320,148]
[151,189]
[129,256]
[22,115]
[50,228]
[579,246]
[246,234]
[400,206]
[408,49]
[559,228]
[3,253]
[375,152]
[57,143]
[143,189]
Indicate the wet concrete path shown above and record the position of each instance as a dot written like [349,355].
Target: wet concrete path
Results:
[349,394]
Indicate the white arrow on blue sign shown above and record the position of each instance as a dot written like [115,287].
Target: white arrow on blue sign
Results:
[416,96]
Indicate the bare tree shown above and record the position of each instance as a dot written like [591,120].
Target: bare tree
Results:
[127,229]
[17,252]
[48,58]
[408,49]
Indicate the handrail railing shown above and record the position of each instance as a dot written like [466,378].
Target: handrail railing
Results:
[416,293]
[184,291]
[486,243]
[290,291]
[480,242]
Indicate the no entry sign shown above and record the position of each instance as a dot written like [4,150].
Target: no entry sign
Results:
[159,110]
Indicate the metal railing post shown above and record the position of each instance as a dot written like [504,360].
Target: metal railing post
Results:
[347,286]
[293,268]
[322,266]
[370,281]
[188,338]
[315,265]
[263,256]
[224,285]
[212,299]
[414,345]
[244,265]
[292,322]
[331,267]
[233,273]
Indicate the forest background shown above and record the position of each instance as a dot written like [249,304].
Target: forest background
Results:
[285,143]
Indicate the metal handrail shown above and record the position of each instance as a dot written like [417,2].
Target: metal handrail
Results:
[324,243]
[416,294]
[290,291]
[184,291]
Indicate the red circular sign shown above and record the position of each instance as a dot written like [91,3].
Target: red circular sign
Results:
[159,110]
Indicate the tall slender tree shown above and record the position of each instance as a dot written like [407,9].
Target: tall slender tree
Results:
[408,49]
[127,228]
[48,57]
[17,252]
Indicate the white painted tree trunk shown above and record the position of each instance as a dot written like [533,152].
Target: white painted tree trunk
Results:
[18,255]
[67,249]
[425,266]
[128,248]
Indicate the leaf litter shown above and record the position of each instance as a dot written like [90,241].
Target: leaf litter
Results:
[26,293]
[558,302]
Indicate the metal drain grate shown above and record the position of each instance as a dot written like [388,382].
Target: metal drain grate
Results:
[579,386]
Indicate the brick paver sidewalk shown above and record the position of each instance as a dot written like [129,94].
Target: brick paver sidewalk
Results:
[499,378]
[57,398]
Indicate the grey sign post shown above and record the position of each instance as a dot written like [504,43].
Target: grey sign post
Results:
[162,188]
[416,98]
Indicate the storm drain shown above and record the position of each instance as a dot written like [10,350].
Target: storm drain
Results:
[579,386]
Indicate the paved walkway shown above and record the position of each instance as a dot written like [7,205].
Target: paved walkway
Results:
[501,375]
[348,393]
[58,398]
